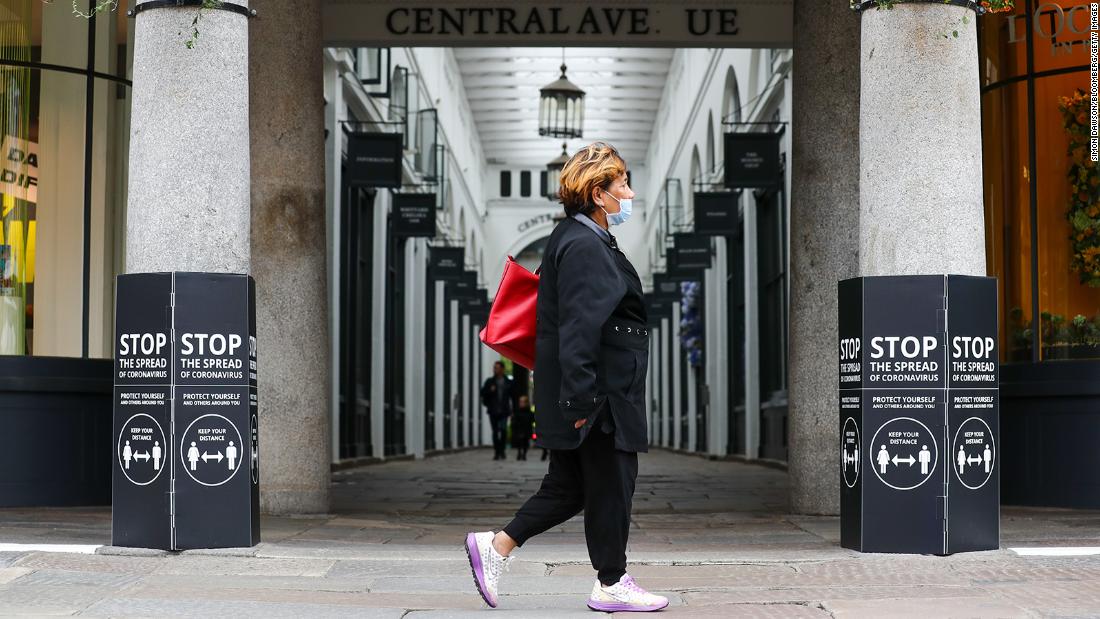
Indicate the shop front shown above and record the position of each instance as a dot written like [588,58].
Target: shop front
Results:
[1042,206]
[64,120]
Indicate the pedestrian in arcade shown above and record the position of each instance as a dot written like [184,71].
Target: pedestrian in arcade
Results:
[496,397]
[522,420]
[592,357]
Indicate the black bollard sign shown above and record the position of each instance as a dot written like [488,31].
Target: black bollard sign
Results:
[186,475]
[918,414]
[141,484]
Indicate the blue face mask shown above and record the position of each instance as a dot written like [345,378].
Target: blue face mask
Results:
[625,206]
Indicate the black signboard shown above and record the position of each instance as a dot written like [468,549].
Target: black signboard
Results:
[477,307]
[752,160]
[414,214]
[716,213]
[666,287]
[141,484]
[216,467]
[446,263]
[918,414]
[194,453]
[690,252]
[657,308]
[973,415]
[464,287]
[374,159]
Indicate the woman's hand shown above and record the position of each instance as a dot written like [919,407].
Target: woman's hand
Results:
[580,423]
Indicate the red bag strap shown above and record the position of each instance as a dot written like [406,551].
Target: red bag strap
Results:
[537,271]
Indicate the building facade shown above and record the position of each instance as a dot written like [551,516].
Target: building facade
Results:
[741,353]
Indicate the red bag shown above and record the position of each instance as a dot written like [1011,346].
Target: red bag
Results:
[510,329]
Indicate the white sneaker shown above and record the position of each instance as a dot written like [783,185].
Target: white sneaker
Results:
[624,595]
[486,563]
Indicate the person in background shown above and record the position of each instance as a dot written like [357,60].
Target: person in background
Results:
[522,420]
[496,396]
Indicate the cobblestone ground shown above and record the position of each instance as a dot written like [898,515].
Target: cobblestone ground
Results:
[713,536]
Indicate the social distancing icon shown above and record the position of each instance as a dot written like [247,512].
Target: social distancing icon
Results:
[905,453]
[139,449]
[209,450]
[975,453]
[849,452]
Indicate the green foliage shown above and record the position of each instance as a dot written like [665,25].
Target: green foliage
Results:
[1083,210]
[102,6]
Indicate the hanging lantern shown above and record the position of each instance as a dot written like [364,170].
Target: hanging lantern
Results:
[561,108]
[553,174]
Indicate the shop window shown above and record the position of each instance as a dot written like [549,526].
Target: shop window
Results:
[372,65]
[63,186]
[398,110]
[427,151]
[1037,168]
[525,183]
[772,280]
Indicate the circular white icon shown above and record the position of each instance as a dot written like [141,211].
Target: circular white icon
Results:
[849,452]
[906,456]
[210,450]
[140,449]
[974,453]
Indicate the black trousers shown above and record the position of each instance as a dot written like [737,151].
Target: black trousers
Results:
[596,478]
[521,444]
[500,429]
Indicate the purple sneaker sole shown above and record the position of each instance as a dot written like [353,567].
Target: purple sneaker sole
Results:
[477,569]
[616,607]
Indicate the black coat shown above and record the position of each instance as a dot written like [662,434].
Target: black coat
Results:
[591,351]
[522,420]
[489,399]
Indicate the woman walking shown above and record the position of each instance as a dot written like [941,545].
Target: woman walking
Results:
[591,357]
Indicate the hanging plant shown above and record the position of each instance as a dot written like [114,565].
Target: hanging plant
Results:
[106,6]
[983,6]
[691,323]
[1083,211]
[980,7]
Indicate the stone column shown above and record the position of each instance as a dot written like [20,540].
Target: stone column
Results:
[188,194]
[920,146]
[666,382]
[677,384]
[824,237]
[288,253]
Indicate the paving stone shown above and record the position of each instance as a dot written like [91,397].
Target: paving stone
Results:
[450,567]
[124,551]
[93,563]
[8,574]
[809,595]
[43,578]
[199,564]
[713,536]
[47,599]
[463,583]
[924,607]
[220,552]
[205,608]
[10,558]
[654,577]
[547,613]
[200,582]
[749,611]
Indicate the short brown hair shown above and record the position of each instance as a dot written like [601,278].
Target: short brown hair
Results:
[595,165]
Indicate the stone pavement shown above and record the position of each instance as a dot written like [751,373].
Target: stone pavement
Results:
[713,536]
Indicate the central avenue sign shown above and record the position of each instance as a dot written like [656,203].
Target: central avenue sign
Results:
[691,23]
